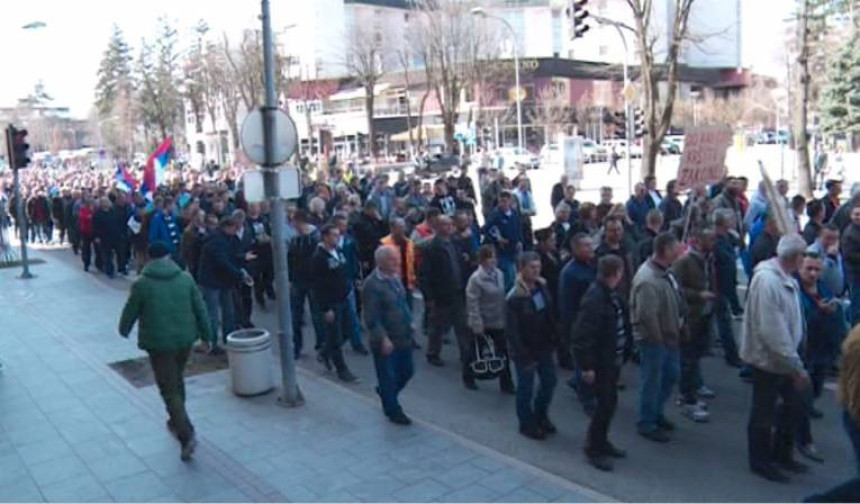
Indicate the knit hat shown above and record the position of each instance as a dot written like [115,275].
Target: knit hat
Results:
[791,245]
[157,250]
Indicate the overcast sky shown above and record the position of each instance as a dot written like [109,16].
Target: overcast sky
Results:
[66,53]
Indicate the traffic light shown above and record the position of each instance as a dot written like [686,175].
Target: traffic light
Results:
[639,130]
[578,14]
[18,148]
[619,119]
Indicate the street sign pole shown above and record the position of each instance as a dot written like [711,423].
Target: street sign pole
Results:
[290,393]
[19,206]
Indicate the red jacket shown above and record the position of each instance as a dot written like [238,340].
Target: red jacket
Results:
[85,220]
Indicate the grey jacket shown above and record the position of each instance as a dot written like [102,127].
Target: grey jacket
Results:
[657,310]
[485,301]
[386,312]
[773,326]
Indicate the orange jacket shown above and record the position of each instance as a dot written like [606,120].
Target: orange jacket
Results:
[388,241]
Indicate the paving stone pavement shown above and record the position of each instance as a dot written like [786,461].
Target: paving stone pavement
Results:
[72,430]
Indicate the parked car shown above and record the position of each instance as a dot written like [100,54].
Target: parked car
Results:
[668,147]
[594,152]
[515,158]
[551,154]
[437,164]
[678,140]
[782,137]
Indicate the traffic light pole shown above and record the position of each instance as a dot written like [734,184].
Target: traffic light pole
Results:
[19,208]
[290,393]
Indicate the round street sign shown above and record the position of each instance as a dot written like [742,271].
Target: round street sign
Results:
[286,137]
[629,92]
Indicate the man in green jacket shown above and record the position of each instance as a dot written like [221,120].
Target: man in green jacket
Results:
[171,316]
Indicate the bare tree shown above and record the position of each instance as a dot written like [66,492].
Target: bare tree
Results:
[453,45]
[364,62]
[246,63]
[658,109]
[552,111]
[404,55]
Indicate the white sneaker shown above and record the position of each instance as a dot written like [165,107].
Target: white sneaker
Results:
[695,413]
[679,402]
[706,393]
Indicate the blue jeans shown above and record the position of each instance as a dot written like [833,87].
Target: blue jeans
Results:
[298,294]
[660,368]
[219,300]
[532,408]
[854,291]
[354,322]
[509,271]
[393,372]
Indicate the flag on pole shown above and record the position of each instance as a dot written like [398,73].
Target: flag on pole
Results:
[153,174]
[124,180]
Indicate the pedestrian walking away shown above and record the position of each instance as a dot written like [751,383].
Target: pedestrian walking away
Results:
[170,314]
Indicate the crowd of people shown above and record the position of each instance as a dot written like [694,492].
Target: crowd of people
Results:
[653,281]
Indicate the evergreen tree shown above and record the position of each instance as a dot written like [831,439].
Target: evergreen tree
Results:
[114,74]
[840,98]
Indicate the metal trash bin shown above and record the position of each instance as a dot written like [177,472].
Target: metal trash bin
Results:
[249,354]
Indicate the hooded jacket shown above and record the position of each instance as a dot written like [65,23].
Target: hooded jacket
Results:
[773,326]
[167,307]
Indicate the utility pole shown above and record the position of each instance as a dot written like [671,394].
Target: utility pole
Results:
[290,393]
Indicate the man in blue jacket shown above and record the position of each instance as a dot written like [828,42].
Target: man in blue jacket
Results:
[638,206]
[503,229]
[165,227]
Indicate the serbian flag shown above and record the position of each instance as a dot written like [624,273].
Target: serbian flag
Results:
[153,174]
[124,180]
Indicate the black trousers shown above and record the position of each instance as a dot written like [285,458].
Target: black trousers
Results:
[606,394]
[776,408]
[168,368]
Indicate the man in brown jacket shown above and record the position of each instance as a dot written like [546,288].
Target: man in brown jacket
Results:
[658,314]
[695,273]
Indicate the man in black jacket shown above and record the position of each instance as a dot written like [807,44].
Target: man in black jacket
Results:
[217,275]
[331,292]
[601,337]
[368,231]
[530,328]
[441,278]
[108,234]
[299,260]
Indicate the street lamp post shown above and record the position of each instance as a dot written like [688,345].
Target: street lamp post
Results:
[628,109]
[480,12]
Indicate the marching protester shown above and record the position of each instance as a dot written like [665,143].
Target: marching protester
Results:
[530,331]
[600,344]
[388,320]
[773,332]
[659,318]
[330,288]
[485,306]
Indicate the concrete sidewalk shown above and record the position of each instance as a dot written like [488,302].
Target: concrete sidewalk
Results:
[71,429]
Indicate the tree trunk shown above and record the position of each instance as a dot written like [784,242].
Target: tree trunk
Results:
[448,119]
[371,133]
[650,151]
[420,122]
[804,172]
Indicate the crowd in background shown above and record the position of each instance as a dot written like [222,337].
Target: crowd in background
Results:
[653,280]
